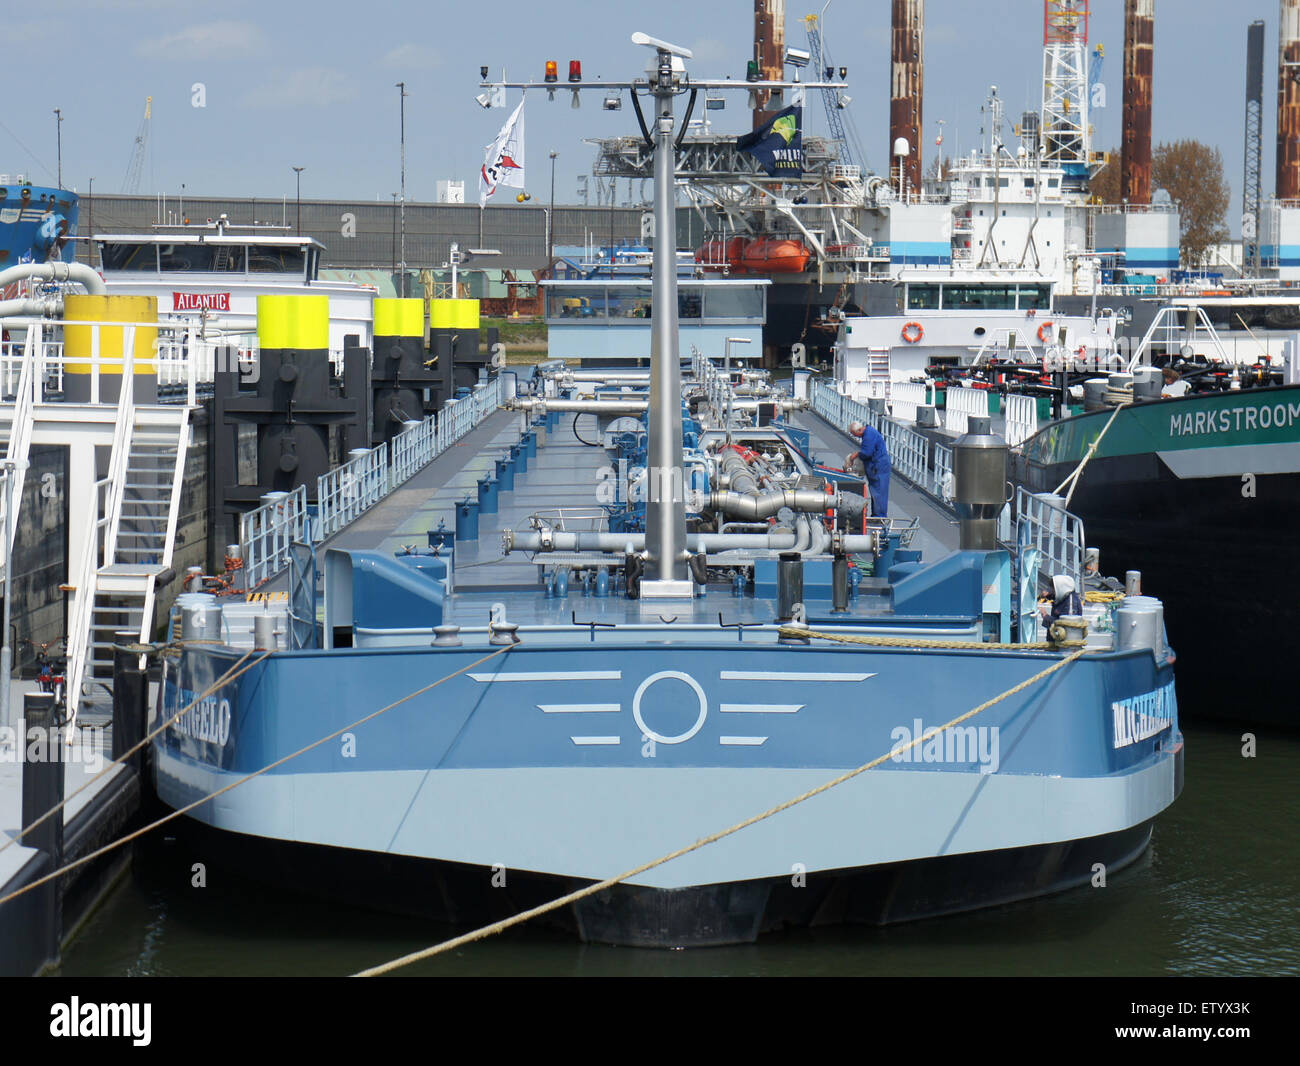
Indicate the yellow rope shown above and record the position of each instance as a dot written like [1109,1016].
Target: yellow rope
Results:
[1101,596]
[497,927]
[922,642]
[230,675]
[247,777]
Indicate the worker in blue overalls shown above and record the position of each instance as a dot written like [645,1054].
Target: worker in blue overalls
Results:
[874,457]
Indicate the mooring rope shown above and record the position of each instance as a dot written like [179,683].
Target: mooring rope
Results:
[572,897]
[1073,479]
[247,777]
[230,675]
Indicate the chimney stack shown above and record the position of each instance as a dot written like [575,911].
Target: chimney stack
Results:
[905,92]
[769,51]
[1135,161]
[1288,101]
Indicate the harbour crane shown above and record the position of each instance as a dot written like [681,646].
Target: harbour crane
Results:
[831,99]
[135,168]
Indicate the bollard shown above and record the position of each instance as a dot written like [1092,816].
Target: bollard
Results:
[264,632]
[130,698]
[1133,583]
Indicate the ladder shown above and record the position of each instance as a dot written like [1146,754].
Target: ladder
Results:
[137,507]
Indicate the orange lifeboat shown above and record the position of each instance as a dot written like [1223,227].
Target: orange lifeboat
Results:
[720,254]
[775,255]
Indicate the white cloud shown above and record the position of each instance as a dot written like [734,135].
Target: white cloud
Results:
[209,40]
[412,57]
[307,87]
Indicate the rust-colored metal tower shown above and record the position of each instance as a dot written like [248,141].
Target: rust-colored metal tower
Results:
[1288,101]
[1139,50]
[905,91]
[769,52]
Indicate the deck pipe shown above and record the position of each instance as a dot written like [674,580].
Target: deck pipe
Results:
[488,487]
[467,519]
[979,468]
[789,584]
[506,473]
[130,698]
[42,788]
[782,540]
[1139,52]
[42,774]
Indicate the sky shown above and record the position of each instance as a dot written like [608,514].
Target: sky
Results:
[245,91]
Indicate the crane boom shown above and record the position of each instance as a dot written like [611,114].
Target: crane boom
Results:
[135,168]
[830,98]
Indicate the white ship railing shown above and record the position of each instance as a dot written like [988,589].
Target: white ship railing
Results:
[1021,418]
[906,396]
[348,491]
[1043,523]
[960,404]
[267,532]
[413,449]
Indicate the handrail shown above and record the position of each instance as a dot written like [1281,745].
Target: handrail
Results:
[1043,523]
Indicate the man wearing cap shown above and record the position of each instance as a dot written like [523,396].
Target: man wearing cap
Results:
[874,456]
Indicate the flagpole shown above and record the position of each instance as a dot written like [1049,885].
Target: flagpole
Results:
[401,87]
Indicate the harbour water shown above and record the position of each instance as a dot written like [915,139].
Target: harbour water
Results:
[1215,895]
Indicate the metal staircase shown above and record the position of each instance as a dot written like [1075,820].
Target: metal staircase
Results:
[135,518]
[16,438]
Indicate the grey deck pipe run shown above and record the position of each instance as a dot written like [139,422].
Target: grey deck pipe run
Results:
[531,541]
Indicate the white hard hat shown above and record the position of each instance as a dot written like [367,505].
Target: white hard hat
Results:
[1062,585]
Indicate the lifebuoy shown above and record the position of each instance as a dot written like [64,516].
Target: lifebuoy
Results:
[912,332]
[1045,332]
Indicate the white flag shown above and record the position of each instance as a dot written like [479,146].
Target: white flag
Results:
[504,163]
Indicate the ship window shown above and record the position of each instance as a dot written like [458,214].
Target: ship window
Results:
[121,256]
[1052,183]
[923,297]
[1035,297]
[733,302]
[185,258]
[1029,183]
[275,259]
[1004,183]
[979,297]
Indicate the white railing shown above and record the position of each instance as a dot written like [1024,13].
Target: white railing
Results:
[413,449]
[1043,523]
[960,404]
[1021,418]
[941,483]
[349,490]
[906,396]
[267,532]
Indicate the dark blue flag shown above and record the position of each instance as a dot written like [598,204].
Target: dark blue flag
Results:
[778,144]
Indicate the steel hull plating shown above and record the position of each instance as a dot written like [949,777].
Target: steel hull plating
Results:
[607,757]
[1210,509]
